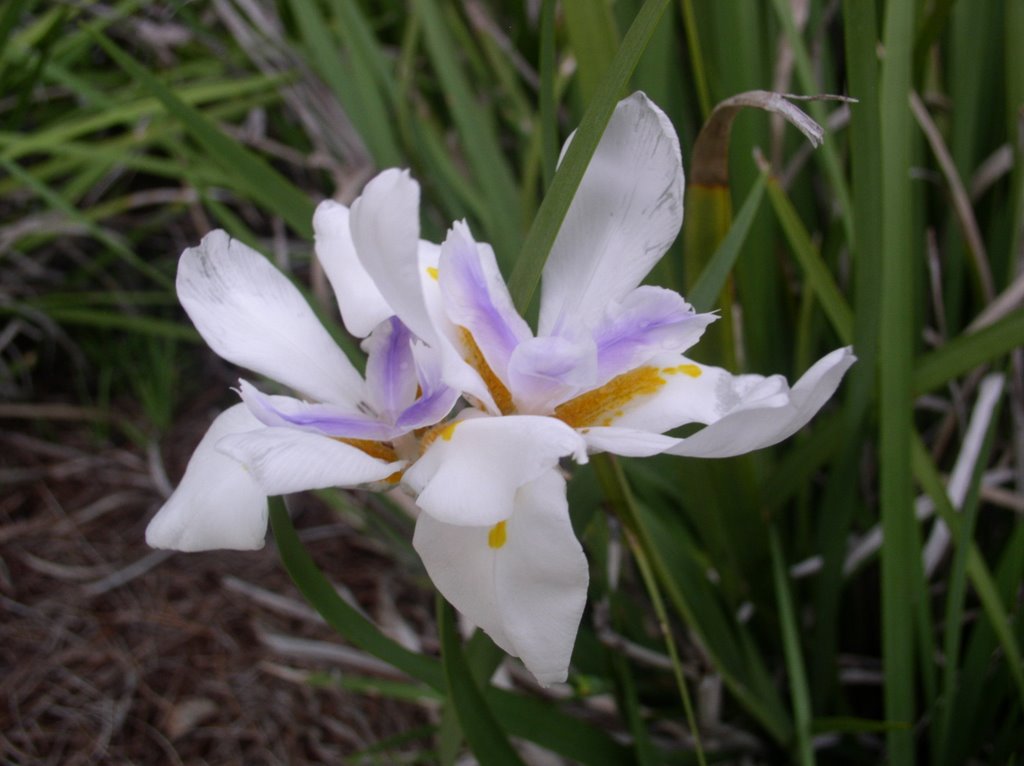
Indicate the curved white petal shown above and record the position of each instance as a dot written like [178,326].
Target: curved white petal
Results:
[540,578]
[471,471]
[524,584]
[752,425]
[251,315]
[361,305]
[285,460]
[218,504]
[625,215]
[385,227]
[742,412]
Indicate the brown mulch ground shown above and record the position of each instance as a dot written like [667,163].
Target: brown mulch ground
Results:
[112,653]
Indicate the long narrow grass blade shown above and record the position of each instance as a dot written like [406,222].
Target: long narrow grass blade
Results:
[253,175]
[901,555]
[548,221]
[794,656]
[819,278]
[965,352]
[987,408]
[548,108]
[708,286]
[486,738]
[477,130]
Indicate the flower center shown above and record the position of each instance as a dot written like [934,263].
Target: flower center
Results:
[602,405]
[498,535]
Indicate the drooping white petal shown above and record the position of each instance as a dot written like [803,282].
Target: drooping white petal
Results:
[251,315]
[385,228]
[540,578]
[476,298]
[625,215]
[461,566]
[743,412]
[218,503]
[361,305]
[524,581]
[285,460]
[471,471]
[752,426]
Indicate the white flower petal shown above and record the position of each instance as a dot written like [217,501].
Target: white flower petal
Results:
[471,471]
[742,412]
[540,579]
[385,228]
[361,305]
[523,581]
[461,566]
[251,315]
[628,442]
[752,426]
[285,460]
[625,215]
[218,504]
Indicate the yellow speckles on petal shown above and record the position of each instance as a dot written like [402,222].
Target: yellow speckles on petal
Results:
[432,272]
[603,405]
[686,369]
[498,535]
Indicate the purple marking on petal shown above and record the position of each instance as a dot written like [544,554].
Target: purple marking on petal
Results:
[436,399]
[546,371]
[647,322]
[476,298]
[284,411]
[390,368]
[427,410]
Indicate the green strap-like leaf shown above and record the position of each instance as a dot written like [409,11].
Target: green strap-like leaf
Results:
[485,736]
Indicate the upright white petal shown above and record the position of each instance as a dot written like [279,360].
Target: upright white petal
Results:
[524,581]
[285,460]
[218,503]
[251,315]
[361,305]
[625,215]
[471,472]
[385,224]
